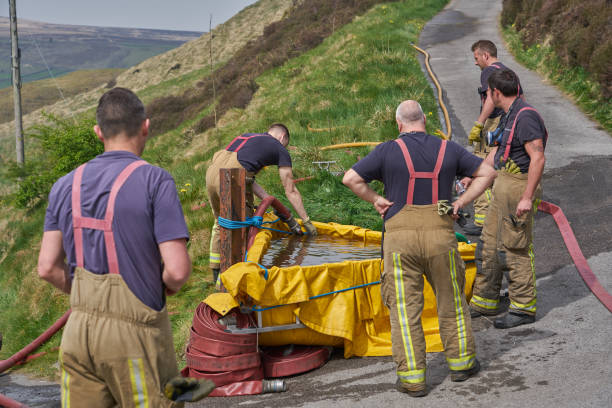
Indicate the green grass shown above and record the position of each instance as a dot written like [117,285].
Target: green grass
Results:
[575,81]
[352,82]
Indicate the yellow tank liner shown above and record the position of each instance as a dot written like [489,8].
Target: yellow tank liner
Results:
[355,319]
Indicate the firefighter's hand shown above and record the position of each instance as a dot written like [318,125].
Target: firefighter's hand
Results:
[458,204]
[474,136]
[524,206]
[310,229]
[382,205]
[294,226]
[185,389]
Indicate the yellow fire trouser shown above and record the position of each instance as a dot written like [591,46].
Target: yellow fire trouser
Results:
[223,159]
[514,236]
[115,350]
[420,242]
[481,203]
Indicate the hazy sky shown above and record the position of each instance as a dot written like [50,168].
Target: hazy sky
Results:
[192,15]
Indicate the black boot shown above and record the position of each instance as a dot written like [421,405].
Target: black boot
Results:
[513,319]
[474,313]
[458,376]
[413,393]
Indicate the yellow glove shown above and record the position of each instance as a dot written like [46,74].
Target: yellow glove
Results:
[474,136]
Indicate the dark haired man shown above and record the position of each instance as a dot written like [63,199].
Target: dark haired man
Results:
[254,151]
[420,241]
[115,239]
[518,156]
[485,57]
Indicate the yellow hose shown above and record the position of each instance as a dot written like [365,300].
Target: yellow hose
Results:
[440,99]
[355,144]
[311,129]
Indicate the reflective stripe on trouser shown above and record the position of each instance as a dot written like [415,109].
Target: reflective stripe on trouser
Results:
[481,203]
[214,257]
[223,159]
[115,350]
[419,242]
[64,385]
[515,240]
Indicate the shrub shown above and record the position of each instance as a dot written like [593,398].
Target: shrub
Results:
[579,31]
[64,145]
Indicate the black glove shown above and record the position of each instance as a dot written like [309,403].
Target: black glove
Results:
[310,229]
[186,389]
[281,216]
[294,226]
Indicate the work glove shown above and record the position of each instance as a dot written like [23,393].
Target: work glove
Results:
[294,226]
[512,167]
[185,389]
[444,207]
[474,136]
[310,229]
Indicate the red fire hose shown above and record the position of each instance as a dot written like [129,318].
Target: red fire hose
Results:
[9,403]
[23,353]
[261,209]
[574,250]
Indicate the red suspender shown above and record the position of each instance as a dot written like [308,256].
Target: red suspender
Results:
[244,140]
[433,175]
[509,141]
[79,222]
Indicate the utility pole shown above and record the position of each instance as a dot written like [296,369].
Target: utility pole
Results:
[15,60]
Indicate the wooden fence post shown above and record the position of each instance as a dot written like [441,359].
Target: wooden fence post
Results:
[232,192]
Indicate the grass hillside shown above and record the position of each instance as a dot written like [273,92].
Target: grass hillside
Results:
[173,71]
[38,94]
[350,84]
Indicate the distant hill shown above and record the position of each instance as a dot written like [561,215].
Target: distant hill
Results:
[35,95]
[67,48]
[169,73]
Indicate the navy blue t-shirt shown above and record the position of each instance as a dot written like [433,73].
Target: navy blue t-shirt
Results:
[147,213]
[386,163]
[260,151]
[529,126]
[484,85]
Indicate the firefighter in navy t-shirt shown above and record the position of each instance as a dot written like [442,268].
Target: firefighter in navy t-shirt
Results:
[518,156]
[419,241]
[254,151]
[115,239]
[485,57]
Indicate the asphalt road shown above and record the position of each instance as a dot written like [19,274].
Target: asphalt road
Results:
[564,359]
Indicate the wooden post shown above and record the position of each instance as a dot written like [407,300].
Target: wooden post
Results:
[232,192]
[16,72]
